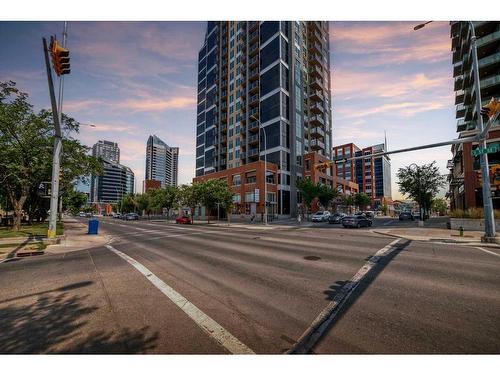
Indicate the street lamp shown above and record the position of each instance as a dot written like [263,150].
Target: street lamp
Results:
[265,167]
[489,220]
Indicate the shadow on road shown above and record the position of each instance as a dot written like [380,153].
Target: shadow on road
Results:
[55,323]
[370,277]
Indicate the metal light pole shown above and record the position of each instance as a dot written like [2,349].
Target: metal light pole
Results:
[265,167]
[489,219]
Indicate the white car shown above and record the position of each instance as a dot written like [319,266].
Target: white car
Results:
[321,216]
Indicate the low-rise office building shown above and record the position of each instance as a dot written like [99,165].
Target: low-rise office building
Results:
[247,185]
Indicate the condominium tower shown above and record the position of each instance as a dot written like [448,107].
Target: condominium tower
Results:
[465,181]
[106,150]
[162,162]
[264,89]
[372,174]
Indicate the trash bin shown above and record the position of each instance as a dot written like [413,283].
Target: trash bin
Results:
[93,226]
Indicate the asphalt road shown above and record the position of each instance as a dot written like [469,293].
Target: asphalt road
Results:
[199,289]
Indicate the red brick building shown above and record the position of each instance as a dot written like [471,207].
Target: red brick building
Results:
[327,176]
[247,184]
[148,185]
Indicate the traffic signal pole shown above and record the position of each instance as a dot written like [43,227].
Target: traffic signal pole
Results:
[489,218]
[54,191]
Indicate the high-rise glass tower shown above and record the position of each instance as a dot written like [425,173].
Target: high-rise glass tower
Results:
[256,77]
[162,162]
[465,179]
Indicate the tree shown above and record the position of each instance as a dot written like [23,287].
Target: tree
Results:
[421,183]
[167,197]
[348,200]
[128,203]
[384,208]
[440,206]
[362,200]
[143,203]
[74,200]
[325,194]
[26,142]
[214,194]
[308,190]
[190,196]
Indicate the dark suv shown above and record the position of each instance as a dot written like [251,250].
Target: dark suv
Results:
[406,216]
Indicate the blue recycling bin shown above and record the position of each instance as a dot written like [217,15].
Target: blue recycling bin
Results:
[93,226]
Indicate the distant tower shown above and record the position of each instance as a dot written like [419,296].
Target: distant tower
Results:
[107,150]
[161,162]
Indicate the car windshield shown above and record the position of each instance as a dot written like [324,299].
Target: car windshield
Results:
[319,213]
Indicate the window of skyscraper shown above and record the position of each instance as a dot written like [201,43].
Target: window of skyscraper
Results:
[270,53]
[211,41]
[211,78]
[270,80]
[211,58]
[273,132]
[285,77]
[210,137]
[284,50]
[270,108]
[268,29]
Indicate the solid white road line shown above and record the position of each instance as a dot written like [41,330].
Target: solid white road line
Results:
[210,326]
[319,325]
[488,251]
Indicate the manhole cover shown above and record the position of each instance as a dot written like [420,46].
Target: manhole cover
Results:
[312,257]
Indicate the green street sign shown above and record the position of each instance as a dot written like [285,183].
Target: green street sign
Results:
[490,149]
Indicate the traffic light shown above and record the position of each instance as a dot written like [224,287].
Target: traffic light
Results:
[323,165]
[60,58]
[492,108]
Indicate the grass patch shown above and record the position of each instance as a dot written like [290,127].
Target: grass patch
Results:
[39,229]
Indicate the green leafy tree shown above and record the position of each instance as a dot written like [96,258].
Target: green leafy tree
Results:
[26,142]
[308,191]
[74,200]
[213,193]
[362,200]
[348,200]
[143,202]
[128,203]
[190,197]
[440,206]
[167,198]
[384,208]
[421,183]
[325,194]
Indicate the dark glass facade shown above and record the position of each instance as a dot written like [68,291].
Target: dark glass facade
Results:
[256,77]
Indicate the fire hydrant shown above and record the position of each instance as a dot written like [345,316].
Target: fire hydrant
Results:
[461,230]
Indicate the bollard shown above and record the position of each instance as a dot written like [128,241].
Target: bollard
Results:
[461,230]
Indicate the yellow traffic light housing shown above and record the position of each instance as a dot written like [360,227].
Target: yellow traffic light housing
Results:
[60,58]
[322,166]
[492,108]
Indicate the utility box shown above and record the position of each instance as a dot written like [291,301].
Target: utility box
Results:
[93,226]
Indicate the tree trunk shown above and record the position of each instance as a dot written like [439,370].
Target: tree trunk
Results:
[18,210]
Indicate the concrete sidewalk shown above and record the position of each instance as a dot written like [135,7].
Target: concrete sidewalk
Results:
[76,238]
[435,235]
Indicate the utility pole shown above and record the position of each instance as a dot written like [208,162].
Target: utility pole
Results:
[60,59]
[54,190]
[489,219]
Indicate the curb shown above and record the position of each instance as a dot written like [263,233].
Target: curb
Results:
[441,241]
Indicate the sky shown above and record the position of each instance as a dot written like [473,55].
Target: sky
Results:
[134,79]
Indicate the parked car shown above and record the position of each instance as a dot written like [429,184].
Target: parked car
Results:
[321,216]
[356,221]
[336,218]
[82,214]
[131,216]
[369,214]
[116,215]
[88,214]
[183,220]
[406,216]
